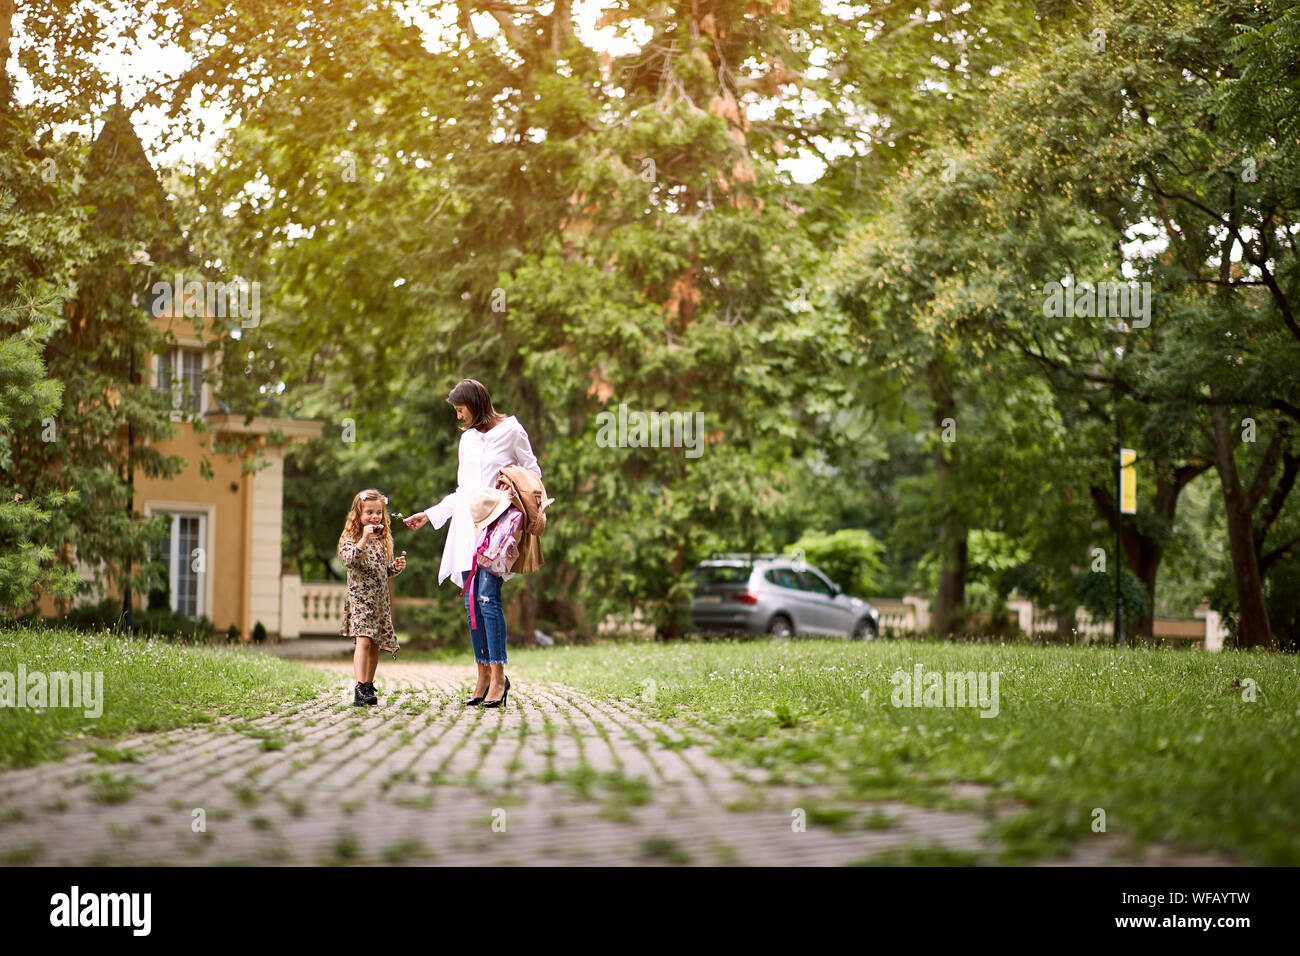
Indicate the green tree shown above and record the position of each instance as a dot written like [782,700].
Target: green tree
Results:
[1221,255]
[612,233]
[28,402]
[1087,154]
[850,556]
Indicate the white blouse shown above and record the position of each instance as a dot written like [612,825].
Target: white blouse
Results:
[482,455]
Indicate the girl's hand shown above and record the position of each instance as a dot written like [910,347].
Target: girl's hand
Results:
[417,520]
[399,563]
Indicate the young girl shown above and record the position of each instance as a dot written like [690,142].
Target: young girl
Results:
[366,550]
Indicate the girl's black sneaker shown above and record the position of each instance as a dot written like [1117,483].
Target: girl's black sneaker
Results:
[359,696]
[371,696]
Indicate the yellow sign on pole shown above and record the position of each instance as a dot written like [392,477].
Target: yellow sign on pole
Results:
[1128,482]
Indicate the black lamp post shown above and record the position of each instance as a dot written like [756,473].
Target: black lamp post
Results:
[1119,496]
[1119,518]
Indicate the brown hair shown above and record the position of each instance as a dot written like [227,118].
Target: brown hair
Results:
[352,529]
[475,397]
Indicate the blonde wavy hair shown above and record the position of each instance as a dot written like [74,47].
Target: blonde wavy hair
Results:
[352,530]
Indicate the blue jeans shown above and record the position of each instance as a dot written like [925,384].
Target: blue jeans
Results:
[489,638]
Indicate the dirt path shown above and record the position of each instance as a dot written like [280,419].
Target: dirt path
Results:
[558,777]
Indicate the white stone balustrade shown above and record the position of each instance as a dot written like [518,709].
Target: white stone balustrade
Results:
[310,607]
[316,608]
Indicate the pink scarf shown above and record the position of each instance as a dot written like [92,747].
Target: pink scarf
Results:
[469,580]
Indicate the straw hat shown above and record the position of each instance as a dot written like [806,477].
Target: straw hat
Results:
[486,506]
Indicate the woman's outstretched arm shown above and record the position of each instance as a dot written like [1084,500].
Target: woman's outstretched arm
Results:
[444,509]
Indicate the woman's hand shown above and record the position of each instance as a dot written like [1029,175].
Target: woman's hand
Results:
[417,520]
[399,563]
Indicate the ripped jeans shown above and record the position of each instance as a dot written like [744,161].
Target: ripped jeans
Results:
[489,637]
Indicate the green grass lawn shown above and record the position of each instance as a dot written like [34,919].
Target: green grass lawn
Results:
[1163,741]
[147,685]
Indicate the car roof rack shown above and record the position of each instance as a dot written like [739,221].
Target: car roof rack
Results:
[746,556]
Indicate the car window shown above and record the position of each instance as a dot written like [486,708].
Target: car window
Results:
[812,581]
[722,574]
[783,577]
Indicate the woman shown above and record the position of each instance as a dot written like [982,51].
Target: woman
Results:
[489,441]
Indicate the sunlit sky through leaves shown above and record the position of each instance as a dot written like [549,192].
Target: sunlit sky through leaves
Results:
[168,143]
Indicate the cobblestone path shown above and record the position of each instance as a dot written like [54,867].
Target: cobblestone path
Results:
[558,777]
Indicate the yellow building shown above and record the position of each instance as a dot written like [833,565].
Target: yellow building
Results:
[223,548]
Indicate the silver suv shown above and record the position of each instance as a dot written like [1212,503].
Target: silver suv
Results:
[771,594]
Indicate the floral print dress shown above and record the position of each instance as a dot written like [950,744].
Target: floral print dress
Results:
[367,611]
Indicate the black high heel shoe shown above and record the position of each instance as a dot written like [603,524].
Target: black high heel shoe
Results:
[475,701]
[502,701]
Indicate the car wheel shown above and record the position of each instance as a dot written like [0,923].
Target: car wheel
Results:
[780,626]
[865,630]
